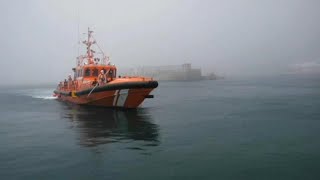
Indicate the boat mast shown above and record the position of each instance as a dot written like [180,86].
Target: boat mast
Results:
[90,52]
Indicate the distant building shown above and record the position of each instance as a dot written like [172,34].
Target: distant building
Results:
[183,72]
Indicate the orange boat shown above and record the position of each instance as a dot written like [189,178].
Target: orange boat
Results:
[95,82]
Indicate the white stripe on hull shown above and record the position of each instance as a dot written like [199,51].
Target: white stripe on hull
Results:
[115,97]
[123,94]
[120,97]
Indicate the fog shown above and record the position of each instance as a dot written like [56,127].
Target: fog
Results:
[231,37]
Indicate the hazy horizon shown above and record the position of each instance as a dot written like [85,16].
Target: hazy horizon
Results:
[231,38]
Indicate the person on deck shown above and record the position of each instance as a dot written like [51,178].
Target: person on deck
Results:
[70,83]
[102,77]
[69,77]
[65,84]
[94,82]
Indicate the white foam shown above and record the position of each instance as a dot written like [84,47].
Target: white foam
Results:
[45,97]
[39,93]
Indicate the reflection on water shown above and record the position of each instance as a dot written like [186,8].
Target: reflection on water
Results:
[100,125]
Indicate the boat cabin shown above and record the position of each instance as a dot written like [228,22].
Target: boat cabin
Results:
[93,71]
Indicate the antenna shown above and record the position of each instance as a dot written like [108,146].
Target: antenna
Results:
[78,34]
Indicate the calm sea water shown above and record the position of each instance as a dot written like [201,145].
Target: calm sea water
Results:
[225,129]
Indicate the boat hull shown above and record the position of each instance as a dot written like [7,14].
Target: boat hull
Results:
[124,95]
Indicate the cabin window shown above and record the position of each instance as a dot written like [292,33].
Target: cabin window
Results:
[87,72]
[110,73]
[95,72]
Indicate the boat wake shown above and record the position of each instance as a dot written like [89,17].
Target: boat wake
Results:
[44,97]
[45,94]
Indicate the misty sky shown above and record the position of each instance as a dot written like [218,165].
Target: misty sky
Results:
[231,37]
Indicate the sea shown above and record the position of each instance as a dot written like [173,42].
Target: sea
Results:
[233,128]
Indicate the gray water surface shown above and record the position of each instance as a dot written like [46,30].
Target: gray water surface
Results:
[225,129]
